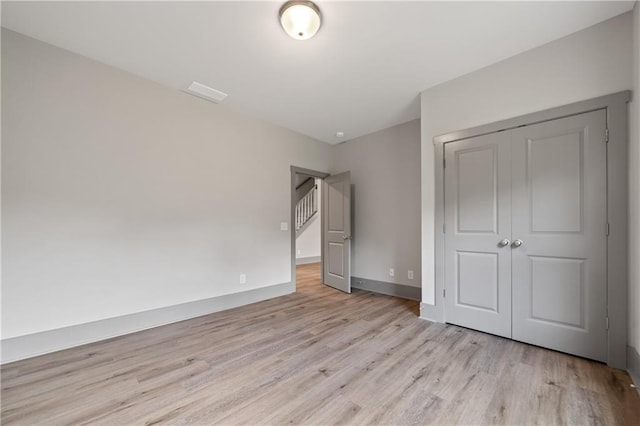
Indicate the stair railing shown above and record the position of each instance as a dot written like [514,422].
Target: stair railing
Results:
[306,208]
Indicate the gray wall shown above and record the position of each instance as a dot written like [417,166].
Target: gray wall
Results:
[634,194]
[385,171]
[117,197]
[590,63]
[120,195]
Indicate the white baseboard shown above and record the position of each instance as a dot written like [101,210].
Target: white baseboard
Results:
[307,260]
[30,345]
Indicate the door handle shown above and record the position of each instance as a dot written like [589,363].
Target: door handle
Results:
[516,243]
[503,243]
[346,237]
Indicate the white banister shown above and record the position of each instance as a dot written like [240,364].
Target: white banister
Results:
[306,208]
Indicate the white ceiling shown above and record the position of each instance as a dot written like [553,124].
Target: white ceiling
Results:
[362,72]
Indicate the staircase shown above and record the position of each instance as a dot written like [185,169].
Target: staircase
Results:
[306,208]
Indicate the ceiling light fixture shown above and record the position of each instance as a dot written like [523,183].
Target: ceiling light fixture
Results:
[300,19]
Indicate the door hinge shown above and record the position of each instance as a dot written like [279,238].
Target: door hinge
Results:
[608,229]
[444,163]
[607,322]
[606,135]
[444,292]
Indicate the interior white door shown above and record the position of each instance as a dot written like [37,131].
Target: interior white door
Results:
[559,230]
[336,214]
[477,232]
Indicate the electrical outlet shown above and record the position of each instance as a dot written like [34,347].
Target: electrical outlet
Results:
[392,273]
[284,226]
[410,274]
[299,252]
[243,278]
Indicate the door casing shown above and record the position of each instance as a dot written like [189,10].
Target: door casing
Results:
[615,106]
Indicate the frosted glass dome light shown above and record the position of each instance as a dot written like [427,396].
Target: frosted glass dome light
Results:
[300,19]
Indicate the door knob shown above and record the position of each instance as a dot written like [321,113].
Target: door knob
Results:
[503,243]
[346,237]
[516,243]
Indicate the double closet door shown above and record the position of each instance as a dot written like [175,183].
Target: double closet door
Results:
[525,234]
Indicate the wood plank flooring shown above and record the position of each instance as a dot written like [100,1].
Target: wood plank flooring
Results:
[314,357]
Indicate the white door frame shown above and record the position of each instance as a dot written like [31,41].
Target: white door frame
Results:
[617,205]
[292,220]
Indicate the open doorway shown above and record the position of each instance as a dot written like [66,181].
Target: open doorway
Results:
[306,227]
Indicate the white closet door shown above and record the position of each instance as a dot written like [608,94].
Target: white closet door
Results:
[477,218]
[559,214]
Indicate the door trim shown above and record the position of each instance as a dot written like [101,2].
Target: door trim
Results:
[292,218]
[617,205]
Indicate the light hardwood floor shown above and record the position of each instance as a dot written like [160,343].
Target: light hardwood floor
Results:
[315,357]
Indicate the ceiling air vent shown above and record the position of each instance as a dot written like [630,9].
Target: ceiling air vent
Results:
[205,92]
